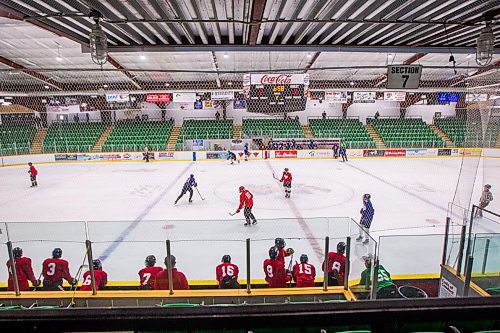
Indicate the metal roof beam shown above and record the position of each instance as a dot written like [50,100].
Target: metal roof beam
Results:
[39,76]
[122,69]
[257,13]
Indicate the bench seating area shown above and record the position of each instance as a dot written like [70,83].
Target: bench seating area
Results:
[134,135]
[411,132]
[72,137]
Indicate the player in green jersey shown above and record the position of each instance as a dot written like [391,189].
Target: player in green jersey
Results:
[385,287]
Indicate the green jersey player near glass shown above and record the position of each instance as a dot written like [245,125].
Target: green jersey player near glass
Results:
[385,287]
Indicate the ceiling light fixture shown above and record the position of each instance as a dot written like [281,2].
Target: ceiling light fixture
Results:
[229,83]
[352,83]
[226,55]
[143,57]
[105,85]
[309,55]
[46,87]
[167,84]
[485,46]
[98,41]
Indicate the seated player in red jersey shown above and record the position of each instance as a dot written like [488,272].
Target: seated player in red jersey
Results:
[101,277]
[147,275]
[336,266]
[54,270]
[304,273]
[24,271]
[227,274]
[179,279]
[276,274]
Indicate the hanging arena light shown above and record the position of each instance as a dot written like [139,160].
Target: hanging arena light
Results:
[485,46]
[98,41]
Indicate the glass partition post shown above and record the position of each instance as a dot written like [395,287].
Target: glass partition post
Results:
[169,268]
[12,268]
[445,244]
[91,266]
[461,249]
[325,276]
[347,262]
[468,272]
[249,284]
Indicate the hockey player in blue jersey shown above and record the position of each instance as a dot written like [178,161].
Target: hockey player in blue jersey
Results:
[231,157]
[246,152]
[188,187]
[366,219]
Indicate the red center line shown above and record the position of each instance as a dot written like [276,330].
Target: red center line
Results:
[318,250]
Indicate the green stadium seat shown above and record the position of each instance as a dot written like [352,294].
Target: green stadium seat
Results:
[72,137]
[412,132]
[351,131]
[15,138]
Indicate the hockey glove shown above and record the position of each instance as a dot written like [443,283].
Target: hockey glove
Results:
[237,211]
[73,282]
[37,283]
[290,251]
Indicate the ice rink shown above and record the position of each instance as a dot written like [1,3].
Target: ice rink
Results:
[410,197]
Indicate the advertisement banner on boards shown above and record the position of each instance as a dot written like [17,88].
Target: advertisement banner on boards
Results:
[217,155]
[65,157]
[117,98]
[416,152]
[395,152]
[373,153]
[336,96]
[320,154]
[285,154]
[364,97]
[397,96]
[184,97]
[221,95]
[159,98]
[354,152]
[444,152]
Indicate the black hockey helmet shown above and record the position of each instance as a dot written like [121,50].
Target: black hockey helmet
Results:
[150,261]
[280,242]
[172,261]
[488,186]
[341,247]
[304,259]
[286,169]
[57,253]
[273,252]
[226,258]
[97,264]
[29,163]
[18,252]
[191,176]
[366,196]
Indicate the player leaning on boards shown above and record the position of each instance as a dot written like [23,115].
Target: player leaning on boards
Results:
[485,199]
[33,173]
[246,202]
[226,274]
[147,275]
[24,271]
[365,222]
[100,276]
[190,182]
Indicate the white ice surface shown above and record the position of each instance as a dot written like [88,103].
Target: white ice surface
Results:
[410,197]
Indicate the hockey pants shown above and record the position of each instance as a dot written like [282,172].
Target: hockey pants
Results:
[247,211]
[184,191]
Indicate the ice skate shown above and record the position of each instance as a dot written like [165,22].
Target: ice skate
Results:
[254,222]
[366,241]
[359,238]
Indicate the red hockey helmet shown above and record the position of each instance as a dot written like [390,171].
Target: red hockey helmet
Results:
[242,188]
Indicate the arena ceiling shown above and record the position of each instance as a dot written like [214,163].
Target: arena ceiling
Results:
[44,43]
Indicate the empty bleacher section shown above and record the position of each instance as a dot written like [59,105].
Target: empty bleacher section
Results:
[275,128]
[462,132]
[205,129]
[491,138]
[73,137]
[351,131]
[15,138]
[134,135]
[410,132]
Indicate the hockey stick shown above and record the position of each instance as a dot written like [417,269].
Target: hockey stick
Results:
[202,198]
[275,177]
[77,278]
[232,214]
[290,269]
[38,280]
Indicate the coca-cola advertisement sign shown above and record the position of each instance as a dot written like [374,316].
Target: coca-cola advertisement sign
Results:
[285,154]
[279,79]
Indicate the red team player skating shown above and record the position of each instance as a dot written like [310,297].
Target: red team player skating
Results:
[54,270]
[147,275]
[100,276]
[246,202]
[226,274]
[24,271]
[286,179]
[276,274]
[33,173]
[304,273]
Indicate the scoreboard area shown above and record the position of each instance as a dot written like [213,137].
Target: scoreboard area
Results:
[275,93]
[271,98]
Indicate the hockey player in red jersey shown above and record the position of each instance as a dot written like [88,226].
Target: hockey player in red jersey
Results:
[286,179]
[246,201]
[179,280]
[227,274]
[24,271]
[275,272]
[280,244]
[54,270]
[336,266]
[147,275]
[101,277]
[304,273]
[33,173]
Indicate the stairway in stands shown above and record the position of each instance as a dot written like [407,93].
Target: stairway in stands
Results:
[379,143]
[237,131]
[38,139]
[307,131]
[102,139]
[497,144]
[443,136]
[172,140]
